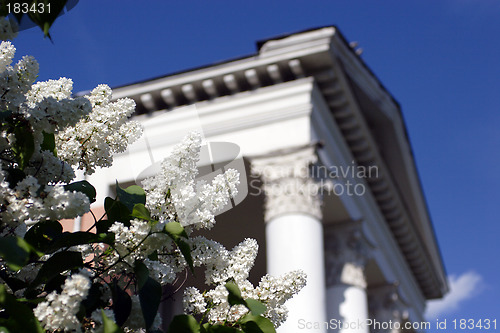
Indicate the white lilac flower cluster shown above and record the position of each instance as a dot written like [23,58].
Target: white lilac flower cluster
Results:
[28,202]
[93,140]
[138,240]
[136,243]
[223,265]
[174,194]
[86,131]
[59,310]
[50,108]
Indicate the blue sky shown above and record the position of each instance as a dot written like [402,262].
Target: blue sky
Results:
[440,59]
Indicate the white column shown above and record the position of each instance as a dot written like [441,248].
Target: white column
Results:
[346,252]
[294,234]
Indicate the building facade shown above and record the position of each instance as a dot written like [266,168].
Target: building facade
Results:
[329,183]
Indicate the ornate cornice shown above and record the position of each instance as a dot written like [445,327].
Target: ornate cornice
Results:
[287,184]
[348,115]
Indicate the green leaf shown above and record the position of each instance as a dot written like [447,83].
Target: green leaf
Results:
[109,326]
[21,318]
[84,187]
[46,28]
[58,263]
[44,19]
[150,298]
[234,296]
[141,212]
[15,251]
[256,307]
[141,273]
[68,239]
[178,234]
[122,304]
[184,324]
[49,143]
[131,195]
[43,234]
[117,211]
[24,145]
[186,252]
[175,230]
[256,324]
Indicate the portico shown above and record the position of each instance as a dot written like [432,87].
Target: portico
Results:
[301,111]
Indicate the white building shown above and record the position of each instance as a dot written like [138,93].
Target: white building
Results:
[331,185]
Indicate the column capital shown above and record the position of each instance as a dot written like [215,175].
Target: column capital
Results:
[386,304]
[287,183]
[347,251]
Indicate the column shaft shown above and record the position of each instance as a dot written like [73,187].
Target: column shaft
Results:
[348,306]
[295,241]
